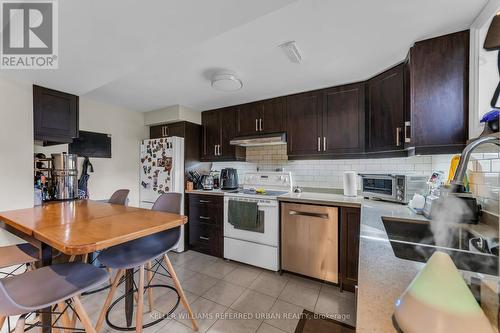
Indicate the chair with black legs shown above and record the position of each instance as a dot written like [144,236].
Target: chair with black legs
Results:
[140,253]
[46,287]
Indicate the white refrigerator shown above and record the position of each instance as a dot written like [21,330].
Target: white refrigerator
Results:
[162,170]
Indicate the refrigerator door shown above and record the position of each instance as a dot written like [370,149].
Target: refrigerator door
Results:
[162,171]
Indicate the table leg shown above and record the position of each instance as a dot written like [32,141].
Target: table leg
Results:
[129,299]
[46,260]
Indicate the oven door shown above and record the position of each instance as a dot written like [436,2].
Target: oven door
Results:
[379,186]
[266,230]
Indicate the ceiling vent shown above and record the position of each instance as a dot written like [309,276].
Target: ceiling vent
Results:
[226,81]
[292,51]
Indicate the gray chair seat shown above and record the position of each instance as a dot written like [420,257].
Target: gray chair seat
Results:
[46,286]
[139,251]
[18,254]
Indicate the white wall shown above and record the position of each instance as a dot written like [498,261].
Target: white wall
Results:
[16,145]
[172,114]
[122,170]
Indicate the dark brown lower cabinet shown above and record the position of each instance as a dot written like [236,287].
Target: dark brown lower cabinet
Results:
[205,226]
[349,247]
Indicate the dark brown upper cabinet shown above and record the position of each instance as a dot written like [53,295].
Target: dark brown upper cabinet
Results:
[166,130]
[262,117]
[344,119]
[55,115]
[438,94]
[385,111]
[304,115]
[219,127]
[326,123]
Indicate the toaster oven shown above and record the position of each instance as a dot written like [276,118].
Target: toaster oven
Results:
[394,188]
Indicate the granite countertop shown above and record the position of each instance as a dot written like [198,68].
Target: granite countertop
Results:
[382,277]
[322,199]
[209,192]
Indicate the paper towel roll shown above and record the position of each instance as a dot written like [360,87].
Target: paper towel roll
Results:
[350,186]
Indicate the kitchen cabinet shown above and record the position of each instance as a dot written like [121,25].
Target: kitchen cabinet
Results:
[385,111]
[262,117]
[191,133]
[438,70]
[349,247]
[166,130]
[309,240]
[326,123]
[219,127]
[343,119]
[206,223]
[55,115]
[304,112]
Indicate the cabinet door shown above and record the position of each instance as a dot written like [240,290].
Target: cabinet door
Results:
[175,129]
[273,115]
[55,115]
[343,119]
[249,116]
[156,132]
[385,119]
[303,113]
[211,133]
[349,247]
[439,75]
[228,119]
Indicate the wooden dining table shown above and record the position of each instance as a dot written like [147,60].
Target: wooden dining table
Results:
[84,226]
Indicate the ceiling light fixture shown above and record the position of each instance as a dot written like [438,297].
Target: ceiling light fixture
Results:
[225,81]
[292,51]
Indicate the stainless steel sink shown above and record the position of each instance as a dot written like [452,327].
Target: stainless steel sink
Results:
[413,240]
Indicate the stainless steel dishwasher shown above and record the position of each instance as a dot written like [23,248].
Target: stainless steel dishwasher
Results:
[310,240]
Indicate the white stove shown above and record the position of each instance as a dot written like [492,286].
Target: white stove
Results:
[251,219]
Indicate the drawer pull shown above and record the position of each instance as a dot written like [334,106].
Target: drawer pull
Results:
[309,214]
[204,238]
[204,217]
[205,201]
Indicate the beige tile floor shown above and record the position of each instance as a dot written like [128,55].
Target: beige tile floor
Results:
[233,297]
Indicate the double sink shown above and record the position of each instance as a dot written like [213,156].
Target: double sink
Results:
[414,240]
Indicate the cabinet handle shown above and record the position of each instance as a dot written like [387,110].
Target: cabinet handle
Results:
[261,124]
[319,143]
[218,149]
[407,127]
[398,136]
[324,143]
[204,238]
[256,125]
[163,131]
[308,214]
[215,150]
[204,217]
[204,201]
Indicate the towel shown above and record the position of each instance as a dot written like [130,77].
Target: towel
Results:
[245,216]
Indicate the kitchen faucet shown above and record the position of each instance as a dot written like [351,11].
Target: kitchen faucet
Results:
[458,179]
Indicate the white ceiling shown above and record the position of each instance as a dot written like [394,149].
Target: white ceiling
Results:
[146,55]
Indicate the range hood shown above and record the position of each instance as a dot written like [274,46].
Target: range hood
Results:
[260,140]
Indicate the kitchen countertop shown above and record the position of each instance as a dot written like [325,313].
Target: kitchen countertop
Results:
[382,277]
[209,192]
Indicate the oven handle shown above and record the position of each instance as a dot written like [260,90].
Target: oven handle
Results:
[309,214]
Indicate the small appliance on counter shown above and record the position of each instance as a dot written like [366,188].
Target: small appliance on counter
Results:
[394,188]
[229,179]
[207,182]
[434,203]
[64,176]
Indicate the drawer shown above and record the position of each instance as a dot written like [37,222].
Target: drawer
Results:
[206,200]
[205,214]
[206,238]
